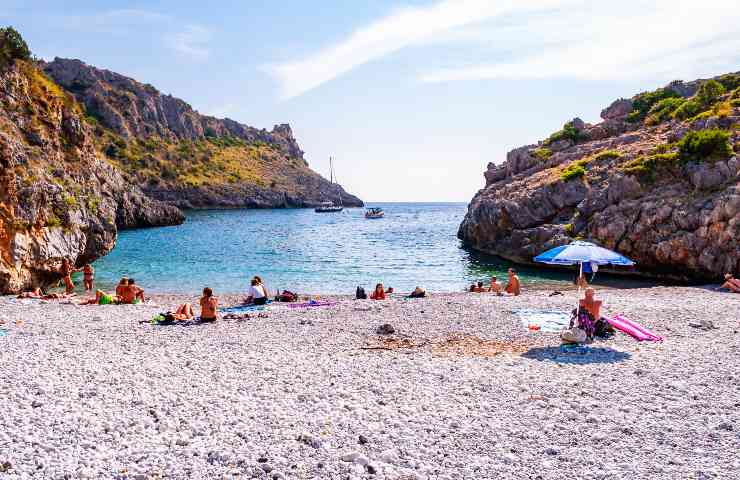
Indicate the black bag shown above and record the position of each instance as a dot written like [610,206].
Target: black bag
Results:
[360,294]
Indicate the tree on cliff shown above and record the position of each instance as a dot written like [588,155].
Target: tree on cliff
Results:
[12,46]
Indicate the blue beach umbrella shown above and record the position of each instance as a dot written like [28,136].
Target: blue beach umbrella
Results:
[580,252]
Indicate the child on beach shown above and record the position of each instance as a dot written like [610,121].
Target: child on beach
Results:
[495,286]
[89,275]
[208,306]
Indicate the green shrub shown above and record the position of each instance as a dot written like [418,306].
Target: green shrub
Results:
[735,93]
[607,155]
[643,102]
[12,46]
[709,93]
[569,132]
[688,109]
[542,153]
[53,221]
[735,102]
[575,170]
[70,201]
[663,110]
[569,229]
[730,81]
[646,167]
[703,145]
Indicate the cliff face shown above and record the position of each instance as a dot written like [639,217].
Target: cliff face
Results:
[58,197]
[191,160]
[658,180]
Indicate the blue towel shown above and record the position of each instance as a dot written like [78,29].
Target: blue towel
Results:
[244,308]
[3,332]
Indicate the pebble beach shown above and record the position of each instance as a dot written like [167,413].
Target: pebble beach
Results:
[460,390]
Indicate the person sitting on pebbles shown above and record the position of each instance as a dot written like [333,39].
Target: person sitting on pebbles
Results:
[378,293]
[731,283]
[208,306]
[514,285]
[101,298]
[257,294]
[495,286]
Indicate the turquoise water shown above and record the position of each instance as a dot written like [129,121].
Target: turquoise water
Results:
[299,250]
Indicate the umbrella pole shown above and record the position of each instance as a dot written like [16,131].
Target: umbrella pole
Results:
[578,297]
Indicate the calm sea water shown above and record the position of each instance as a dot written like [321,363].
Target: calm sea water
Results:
[299,250]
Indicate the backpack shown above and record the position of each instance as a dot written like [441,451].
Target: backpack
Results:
[360,294]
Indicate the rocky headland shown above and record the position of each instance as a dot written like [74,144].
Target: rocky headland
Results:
[657,180]
[85,152]
[175,154]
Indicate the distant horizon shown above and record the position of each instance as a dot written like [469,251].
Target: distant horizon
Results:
[413,99]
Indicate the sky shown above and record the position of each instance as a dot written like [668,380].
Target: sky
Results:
[412,99]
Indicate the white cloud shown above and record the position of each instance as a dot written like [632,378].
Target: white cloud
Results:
[662,40]
[403,28]
[191,43]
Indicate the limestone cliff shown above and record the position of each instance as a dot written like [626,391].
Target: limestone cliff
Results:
[191,160]
[58,197]
[657,180]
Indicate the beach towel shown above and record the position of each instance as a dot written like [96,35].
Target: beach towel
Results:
[633,329]
[313,303]
[246,308]
[3,332]
[543,320]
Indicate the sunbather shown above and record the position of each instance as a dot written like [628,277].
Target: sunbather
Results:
[88,276]
[418,293]
[122,284]
[257,294]
[209,306]
[35,293]
[184,312]
[378,293]
[731,283]
[495,286]
[137,291]
[101,298]
[514,286]
[67,270]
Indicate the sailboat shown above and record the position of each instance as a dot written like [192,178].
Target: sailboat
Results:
[330,207]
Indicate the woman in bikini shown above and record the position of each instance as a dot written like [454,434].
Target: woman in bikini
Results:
[89,275]
[67,270]
[379,293]
[208,306]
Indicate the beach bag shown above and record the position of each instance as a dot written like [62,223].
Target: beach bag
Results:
[287,296]
[582,318]
[360,294]
[574,335]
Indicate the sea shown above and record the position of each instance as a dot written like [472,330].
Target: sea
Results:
[415,244]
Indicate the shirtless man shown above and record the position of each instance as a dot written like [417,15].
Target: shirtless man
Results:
[127,293]
[588,302]
[122,285]
[731,283]
[208,306]
[89,275]
[35,293]
[513,287]
[495,286]
[138,292]
[67,270]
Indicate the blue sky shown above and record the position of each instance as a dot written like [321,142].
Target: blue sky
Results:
[412,98]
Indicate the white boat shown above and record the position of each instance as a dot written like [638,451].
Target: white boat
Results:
[374,213]
[330,207]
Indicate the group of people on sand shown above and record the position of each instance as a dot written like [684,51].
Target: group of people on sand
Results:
[513,286]
[127,292]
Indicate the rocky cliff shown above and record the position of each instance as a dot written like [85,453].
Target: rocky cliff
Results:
[657,180]
[191,160]
[59,198]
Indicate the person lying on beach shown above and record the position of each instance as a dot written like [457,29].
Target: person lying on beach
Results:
[184,312]
[88,276]
[257,294]
[472,288]
[418,293]
[35,293]
[514,286]
[101,298]
[378,293]
[495,286]
[67,270]
[389,290]
[731,283]
[209,306]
